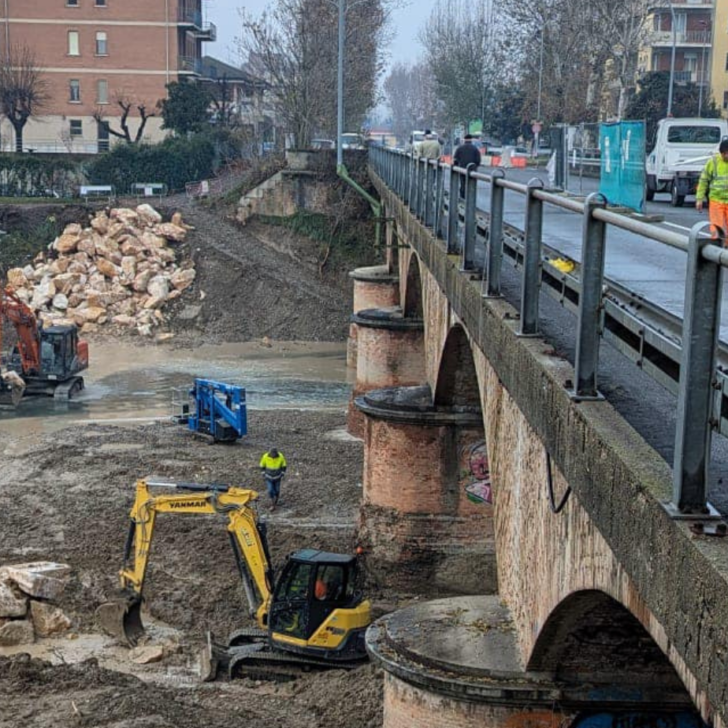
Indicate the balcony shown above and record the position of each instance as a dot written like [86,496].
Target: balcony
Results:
[694,38]
[192,21]
[187,64]
[698,77]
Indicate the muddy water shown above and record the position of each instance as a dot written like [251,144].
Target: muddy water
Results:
[132,384]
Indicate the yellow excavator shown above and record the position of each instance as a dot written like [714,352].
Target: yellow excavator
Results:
[312,616]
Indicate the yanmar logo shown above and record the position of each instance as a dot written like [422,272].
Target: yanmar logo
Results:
[185,504]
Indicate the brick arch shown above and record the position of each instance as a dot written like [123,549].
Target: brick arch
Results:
[591,633]
[457,378]
[412,298]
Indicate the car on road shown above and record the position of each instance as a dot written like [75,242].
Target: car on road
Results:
[323,144]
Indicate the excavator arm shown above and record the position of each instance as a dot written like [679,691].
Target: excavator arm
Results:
[21,316]
[123,618]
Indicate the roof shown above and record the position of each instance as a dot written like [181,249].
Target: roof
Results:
[314,556]
[214,69]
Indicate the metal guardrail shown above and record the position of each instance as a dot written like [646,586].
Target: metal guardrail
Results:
[642,331]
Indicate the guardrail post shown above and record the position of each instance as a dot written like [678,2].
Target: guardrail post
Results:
[422,189]
[701,329]
[408,181]
[594,234]
[494,251]
[453,244]
[439,198]
[531,284]
[429,194]
[471,198]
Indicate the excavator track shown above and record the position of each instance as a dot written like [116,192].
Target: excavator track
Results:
[264,664]
[256,660]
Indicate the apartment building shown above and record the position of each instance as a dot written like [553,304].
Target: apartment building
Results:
[686,26]
[719,67]
[94,53]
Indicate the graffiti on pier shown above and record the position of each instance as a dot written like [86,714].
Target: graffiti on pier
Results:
[475,473]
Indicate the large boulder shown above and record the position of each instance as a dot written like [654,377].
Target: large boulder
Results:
[39,579]
[171,232]
[107,268]
[16,632]
[16,278]
[12,602]
[48,619]
[148,214]
[182,279]
[66,244]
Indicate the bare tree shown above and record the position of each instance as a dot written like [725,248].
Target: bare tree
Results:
[410,93]
[462,48]
[293,47]
[23,89]
[127,106]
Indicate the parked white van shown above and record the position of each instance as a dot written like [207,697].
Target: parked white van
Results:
[679,153]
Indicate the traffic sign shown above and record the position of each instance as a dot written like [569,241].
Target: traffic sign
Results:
[536,127]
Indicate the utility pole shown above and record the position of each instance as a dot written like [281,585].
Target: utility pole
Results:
[672,59]
[340,86]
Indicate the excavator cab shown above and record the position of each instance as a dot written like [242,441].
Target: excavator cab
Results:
[312,585]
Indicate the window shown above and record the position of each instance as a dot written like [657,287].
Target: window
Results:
[102,91]
[72,3]
[101,44]
[725,100]
[100,3]
[73,43]
[726,61]
[74,90]
[76,127]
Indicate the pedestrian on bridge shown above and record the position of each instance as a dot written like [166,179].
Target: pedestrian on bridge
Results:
[467,153]
[714,185]
[430,148]
[273,466]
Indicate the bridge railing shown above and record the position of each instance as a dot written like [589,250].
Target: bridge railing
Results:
[653,338]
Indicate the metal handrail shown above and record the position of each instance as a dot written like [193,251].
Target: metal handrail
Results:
[697,373]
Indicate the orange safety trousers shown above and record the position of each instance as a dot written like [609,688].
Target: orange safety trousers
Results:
[718,212]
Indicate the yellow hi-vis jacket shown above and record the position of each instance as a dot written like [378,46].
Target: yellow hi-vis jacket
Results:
[714,181]
[273,467]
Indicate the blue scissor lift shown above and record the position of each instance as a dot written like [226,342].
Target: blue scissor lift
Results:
[216,409]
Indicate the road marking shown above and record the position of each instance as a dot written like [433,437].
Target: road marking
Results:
[675,225]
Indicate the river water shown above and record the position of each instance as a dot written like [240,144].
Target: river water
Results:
[133,384]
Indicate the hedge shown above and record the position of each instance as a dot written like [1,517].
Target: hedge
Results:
[175,162]
[25,175]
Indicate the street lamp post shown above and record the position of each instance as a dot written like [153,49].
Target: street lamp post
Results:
[672,59]
[702,79]
[537,134]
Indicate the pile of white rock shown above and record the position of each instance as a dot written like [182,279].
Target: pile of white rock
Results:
[28,596]
[120,270]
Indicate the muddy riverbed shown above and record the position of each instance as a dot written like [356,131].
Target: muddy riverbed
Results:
[67,484]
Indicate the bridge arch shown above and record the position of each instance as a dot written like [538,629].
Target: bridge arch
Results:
[412,298]
[591,633]
[457,379]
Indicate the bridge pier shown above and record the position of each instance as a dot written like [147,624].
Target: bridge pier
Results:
[456,662]
[426,521]
[374,287]
[390,353]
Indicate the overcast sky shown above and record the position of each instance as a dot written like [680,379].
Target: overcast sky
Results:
[406,23]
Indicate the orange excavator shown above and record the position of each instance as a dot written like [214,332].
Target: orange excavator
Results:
[43,361]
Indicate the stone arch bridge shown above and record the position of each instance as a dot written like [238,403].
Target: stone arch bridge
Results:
[582,601]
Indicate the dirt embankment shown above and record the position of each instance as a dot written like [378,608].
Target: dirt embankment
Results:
[258,281]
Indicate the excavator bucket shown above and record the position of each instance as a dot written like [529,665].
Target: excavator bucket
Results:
[122,619]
